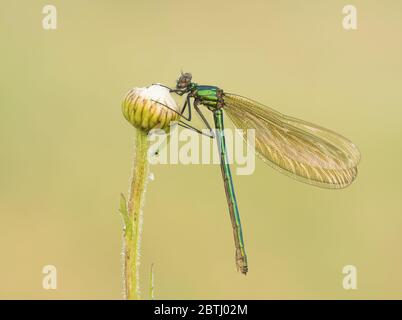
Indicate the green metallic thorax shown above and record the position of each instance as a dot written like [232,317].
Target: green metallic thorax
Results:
[206,95]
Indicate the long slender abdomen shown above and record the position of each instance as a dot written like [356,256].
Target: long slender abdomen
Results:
[241,258]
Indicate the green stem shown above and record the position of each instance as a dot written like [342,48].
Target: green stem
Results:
[151,283]
[132,216]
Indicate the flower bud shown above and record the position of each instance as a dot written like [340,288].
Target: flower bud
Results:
[150,108]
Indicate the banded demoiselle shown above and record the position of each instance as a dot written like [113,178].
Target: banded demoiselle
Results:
[299,149]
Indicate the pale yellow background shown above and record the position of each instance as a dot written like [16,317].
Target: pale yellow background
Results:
[66,150]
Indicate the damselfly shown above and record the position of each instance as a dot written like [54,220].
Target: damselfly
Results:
[301,150]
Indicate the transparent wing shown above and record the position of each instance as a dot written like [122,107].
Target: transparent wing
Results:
[300,149]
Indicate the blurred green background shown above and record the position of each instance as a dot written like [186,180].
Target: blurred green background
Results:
[66,150]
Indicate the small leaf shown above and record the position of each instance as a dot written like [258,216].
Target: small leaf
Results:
[123,210]
[123,203]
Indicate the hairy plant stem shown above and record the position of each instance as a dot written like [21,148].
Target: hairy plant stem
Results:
[132,216]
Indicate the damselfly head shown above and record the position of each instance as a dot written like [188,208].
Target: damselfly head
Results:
[184,80]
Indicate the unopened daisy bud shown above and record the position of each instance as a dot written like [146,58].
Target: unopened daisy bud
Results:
[150,108]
